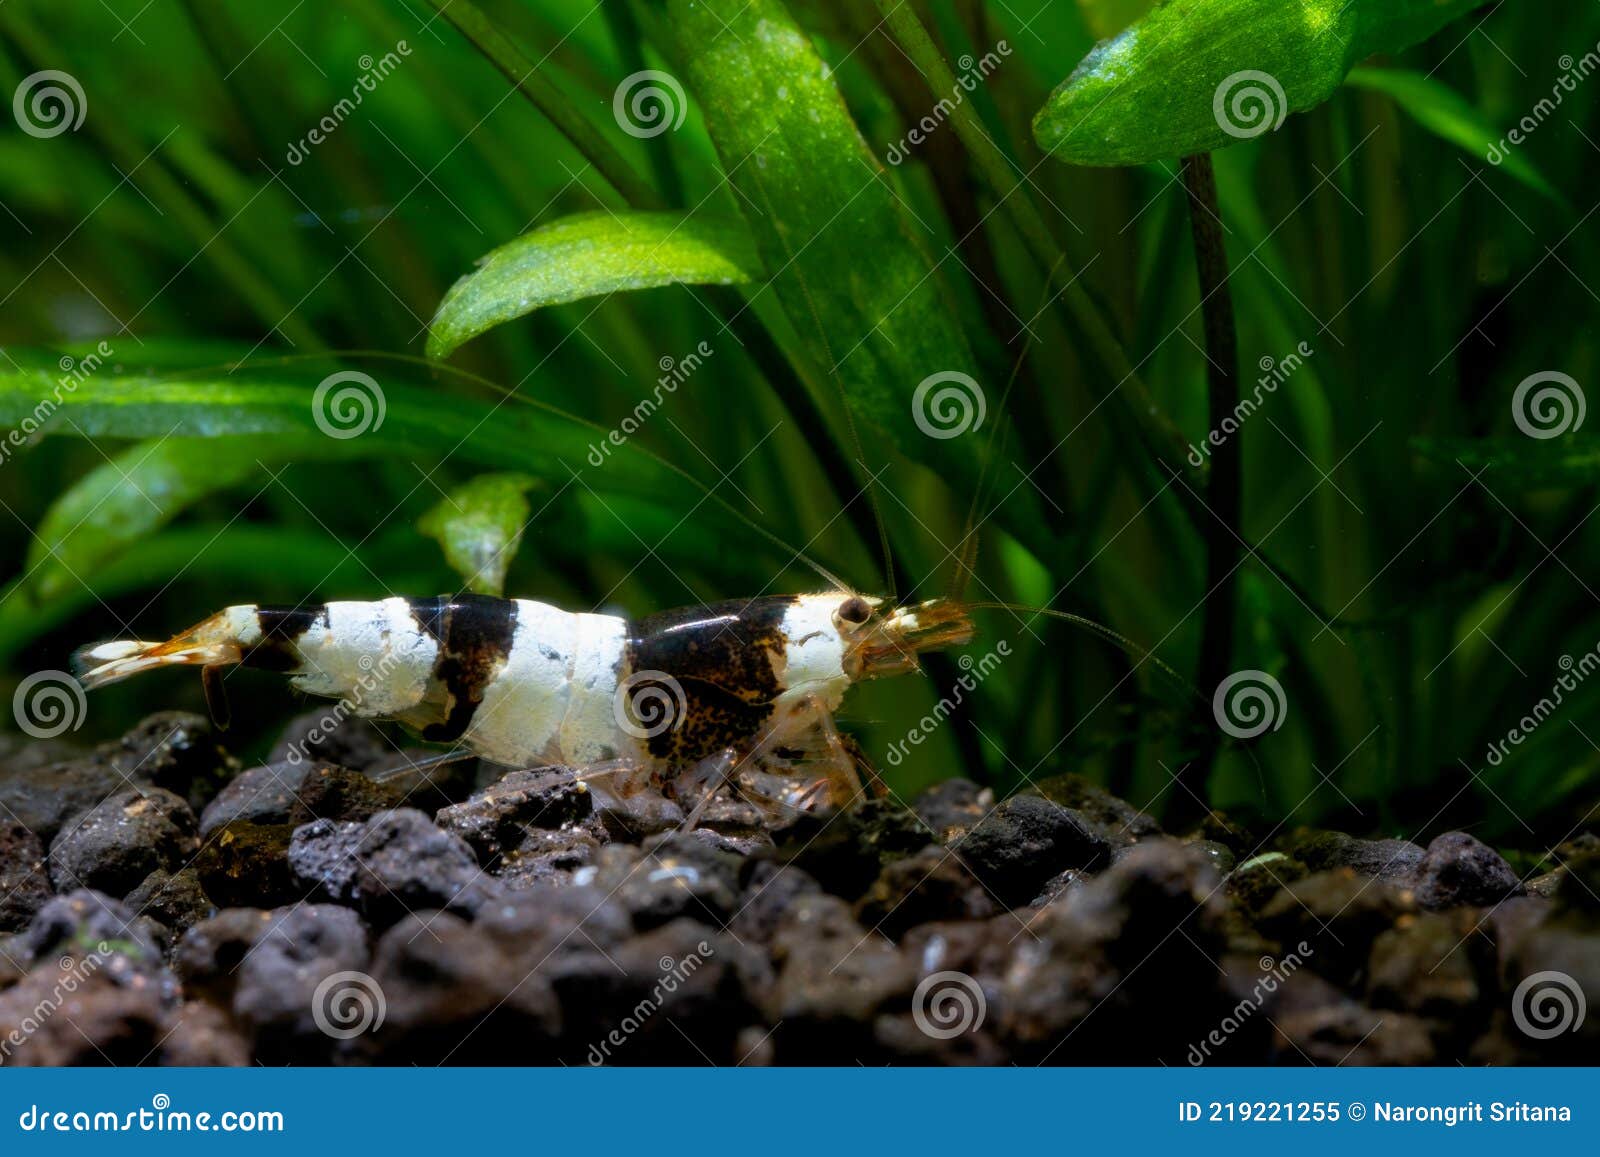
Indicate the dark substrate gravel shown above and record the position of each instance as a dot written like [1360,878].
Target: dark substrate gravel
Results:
[158,905]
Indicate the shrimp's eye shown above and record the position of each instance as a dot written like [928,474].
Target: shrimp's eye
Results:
[854,610]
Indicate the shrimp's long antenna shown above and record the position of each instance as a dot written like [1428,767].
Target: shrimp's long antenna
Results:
[512,395]
[1099,630]
[967,552]
[1122,642]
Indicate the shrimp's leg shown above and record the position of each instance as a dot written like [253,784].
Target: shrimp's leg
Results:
[709,775]
[836,756]
[216,696]
[421,766]
[622,777]
[839,757]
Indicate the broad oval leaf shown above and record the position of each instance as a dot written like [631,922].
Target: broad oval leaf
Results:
[1198,75]
[479,524]
[587,255]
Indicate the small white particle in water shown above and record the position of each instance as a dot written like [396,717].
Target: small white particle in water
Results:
[783,92]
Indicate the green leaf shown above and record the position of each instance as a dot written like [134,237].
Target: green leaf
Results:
[480,526]
[306,564]
[358,416]
[1519,462]
[278,417]
[1450,116]
[845,262]
[134,493]
[1198,75]
[587,255]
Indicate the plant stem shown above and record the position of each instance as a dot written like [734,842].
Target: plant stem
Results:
[1225,489]
[471,22]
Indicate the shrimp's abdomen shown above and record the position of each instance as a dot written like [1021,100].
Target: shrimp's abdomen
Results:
[524,683]
[516,681]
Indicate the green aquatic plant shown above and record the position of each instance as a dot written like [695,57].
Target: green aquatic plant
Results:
[631,304]
[1197,75]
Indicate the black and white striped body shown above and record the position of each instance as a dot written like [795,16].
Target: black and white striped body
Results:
[741,691]
[526,684]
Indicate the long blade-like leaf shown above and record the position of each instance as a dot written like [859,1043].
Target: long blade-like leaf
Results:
[1448,115]
[846,264]
[356,415]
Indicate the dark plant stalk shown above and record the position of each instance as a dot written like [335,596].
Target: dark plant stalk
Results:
[1167,448]
[1224,491]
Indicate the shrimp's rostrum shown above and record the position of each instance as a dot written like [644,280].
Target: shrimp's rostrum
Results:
[730,692]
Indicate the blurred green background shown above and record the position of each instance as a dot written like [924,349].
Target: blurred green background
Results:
[1385,479]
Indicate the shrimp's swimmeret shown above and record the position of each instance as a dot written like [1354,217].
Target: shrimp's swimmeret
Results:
[749,684]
